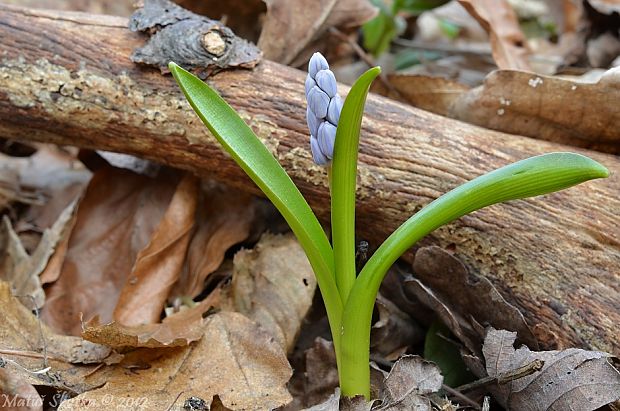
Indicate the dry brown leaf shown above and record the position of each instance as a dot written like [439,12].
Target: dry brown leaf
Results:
[392,288]
[159,264]
[508,43]
[571,379]
[458,324]
[350,13]
[273,284]
[28,346]
[566,111]
[337,403]
[395,331]
[287,31]
[321,372]
[17,394]
[410,378]
[549,108]
[469,295]
[178,329]
[235,360]
[115,220]
[22,270]
[224,218]
[10,187]
[59,176]
[434,94]
[49,180]
[331,404]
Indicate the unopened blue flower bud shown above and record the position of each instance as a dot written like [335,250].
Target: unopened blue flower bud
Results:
[326,80]
[313,122]
[317,154]
[327,138]
[316,64]
[309,84]
[324,107]
[318,101]
[334,109]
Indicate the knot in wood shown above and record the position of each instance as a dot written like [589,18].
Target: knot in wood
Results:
[214,43]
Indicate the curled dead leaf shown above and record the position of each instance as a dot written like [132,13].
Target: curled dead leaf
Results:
[273,284]
[508,42]
[224,218]
[178,329]
[562,110]
[395,331]
[22,270]
[115,219]
[545,107]
[234,360]
[31,350]
[463,300]
[158,265]
[570,379]
[410,378]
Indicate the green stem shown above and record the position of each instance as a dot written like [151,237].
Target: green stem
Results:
[357,315]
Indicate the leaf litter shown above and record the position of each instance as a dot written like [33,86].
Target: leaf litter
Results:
[158,342]
[570,379]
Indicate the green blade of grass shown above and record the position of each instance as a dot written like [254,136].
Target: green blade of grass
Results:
[344,175]
[527,178]
[252,156]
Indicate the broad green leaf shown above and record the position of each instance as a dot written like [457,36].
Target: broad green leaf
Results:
[252,156]
[344,173]
[527,178]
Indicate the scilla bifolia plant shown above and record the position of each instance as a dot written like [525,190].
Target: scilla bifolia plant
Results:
[335,130]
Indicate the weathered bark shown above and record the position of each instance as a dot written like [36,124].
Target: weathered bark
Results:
[66,78]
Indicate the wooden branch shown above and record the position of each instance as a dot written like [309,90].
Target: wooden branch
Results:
[66,78]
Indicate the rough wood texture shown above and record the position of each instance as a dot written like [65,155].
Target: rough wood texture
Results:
[66,78]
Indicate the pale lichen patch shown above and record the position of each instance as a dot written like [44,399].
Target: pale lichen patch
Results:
[59,91]
[298,161]
[368,183]
[267,131]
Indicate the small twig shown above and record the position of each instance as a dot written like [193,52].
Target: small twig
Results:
[365,57]
[39,323]
[18,365]
[457,394]
[30,354]
[175,400]
[506,377]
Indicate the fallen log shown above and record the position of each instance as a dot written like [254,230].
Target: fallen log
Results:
[67,78]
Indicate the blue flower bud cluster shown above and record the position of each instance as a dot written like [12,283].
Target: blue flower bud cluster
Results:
[324,107]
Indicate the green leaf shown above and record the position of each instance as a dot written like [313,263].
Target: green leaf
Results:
[344,176]
[259,164]
[527,178]
[445,353]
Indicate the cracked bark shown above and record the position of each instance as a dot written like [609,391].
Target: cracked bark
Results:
[67,78]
